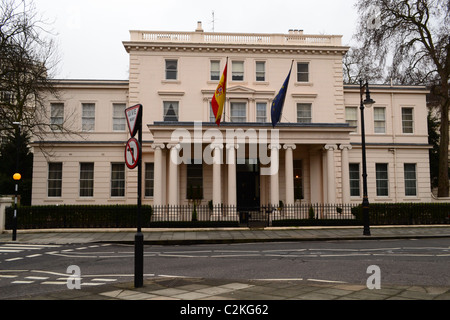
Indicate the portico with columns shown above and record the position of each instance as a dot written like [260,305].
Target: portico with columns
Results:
[323,157]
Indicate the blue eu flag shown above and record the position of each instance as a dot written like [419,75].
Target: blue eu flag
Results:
[278,102]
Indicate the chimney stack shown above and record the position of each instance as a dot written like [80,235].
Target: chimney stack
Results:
[199,27]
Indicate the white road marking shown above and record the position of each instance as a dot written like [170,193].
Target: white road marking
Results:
[14,259]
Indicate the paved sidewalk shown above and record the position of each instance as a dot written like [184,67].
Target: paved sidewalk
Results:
[225,235]
[161,288]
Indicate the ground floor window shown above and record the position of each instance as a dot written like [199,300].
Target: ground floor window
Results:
[54,179]
[382,178]
[410,179]
[117,180]
[354,180]
[149,179]
[86,179]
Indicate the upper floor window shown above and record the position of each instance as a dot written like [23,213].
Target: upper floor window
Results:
[379,116]
[88,117]
[304,113]
[215,70]
[302,72]
[351,116]
[407,120]
[261,109]
[212,117]
[170,110]
[237,73]
[119,122]
[56,115]
[171,69]
[260,71]
[238,112]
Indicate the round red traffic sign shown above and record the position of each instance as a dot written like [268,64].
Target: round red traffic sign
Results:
[132,153]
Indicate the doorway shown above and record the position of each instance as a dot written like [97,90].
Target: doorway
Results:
[247,185]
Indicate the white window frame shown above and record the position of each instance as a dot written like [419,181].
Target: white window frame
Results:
[236,104]
[214,75]
[112,180]
[407,179]
[149,178]
[379,120]
[382,180]
[86,119]
[89,180]
[56,115]
[299,73]
[237,73]
[349,119]
[176,109]
[51,180]
[302,119]
[119,120]
[262,73]
[408,120]
[259,107]
[168,71]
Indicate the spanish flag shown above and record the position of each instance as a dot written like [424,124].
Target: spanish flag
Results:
[218,100]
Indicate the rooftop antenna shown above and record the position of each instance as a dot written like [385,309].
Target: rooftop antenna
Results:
[213,21]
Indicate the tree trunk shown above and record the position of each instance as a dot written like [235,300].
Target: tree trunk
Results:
[443,185]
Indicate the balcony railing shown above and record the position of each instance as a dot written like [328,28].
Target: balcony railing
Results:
[235,38]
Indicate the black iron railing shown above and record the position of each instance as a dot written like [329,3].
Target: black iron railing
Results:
[124,216]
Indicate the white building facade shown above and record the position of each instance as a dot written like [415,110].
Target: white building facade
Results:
[316,147]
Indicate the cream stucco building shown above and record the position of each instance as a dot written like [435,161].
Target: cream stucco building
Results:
[174,76]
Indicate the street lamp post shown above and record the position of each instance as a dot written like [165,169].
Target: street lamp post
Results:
[368,102]
[16,178]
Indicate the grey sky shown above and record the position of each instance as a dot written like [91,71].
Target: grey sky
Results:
[90,32]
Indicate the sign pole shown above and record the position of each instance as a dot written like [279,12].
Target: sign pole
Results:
[139,237]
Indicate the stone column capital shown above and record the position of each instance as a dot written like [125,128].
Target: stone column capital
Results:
[274,146]
[289,146]
[345,146]
[158,145]
[330,147]
[173,145]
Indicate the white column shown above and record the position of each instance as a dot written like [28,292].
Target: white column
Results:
[231,162]
[173,174]
[331,179]
[289,172]
[345,173]
[217,162]
[274,183]
[157,174]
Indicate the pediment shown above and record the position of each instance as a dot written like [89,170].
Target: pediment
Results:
[240,89]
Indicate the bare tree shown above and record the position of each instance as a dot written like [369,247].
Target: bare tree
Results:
[28,56]
[410,40]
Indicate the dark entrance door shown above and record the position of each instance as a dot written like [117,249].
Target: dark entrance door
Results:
[247,185]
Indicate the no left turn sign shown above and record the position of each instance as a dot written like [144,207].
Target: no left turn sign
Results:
[132,153]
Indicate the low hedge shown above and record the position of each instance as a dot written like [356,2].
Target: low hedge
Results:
[405,213]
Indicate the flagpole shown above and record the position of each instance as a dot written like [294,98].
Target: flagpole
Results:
[226,88]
